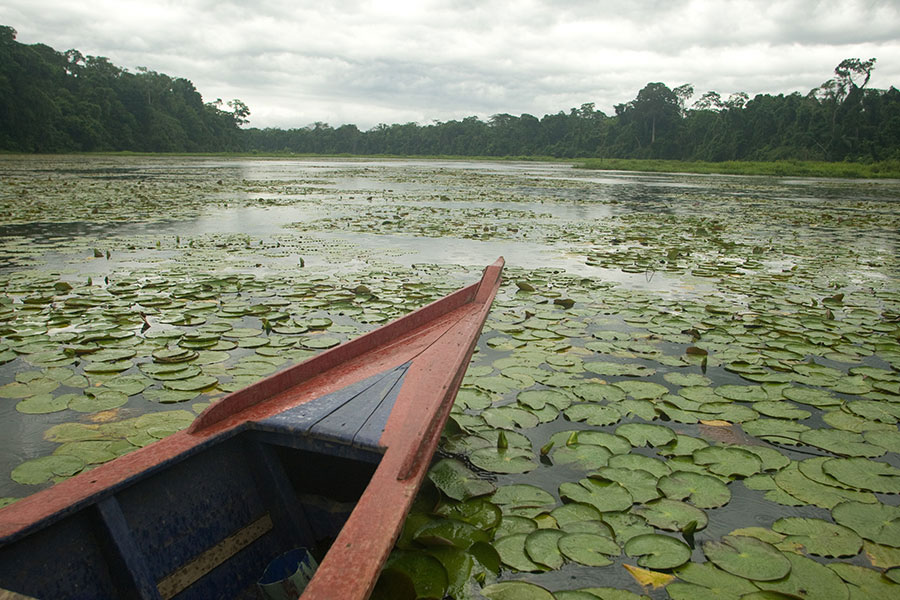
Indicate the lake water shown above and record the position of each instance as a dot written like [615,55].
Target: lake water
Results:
[725,294]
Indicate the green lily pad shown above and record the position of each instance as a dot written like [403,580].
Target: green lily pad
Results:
[819,537]
[603,495]
[541,547]
[512,524]
[509,417]
[863,474]
[40,470]
[672,515]
[845,443]
[35,387]
[456,481]
[503,460]
[427,573]
[588,549]
[656,551]
[728,461]
[512,553]
[703,491]
[877,522]
[538,399]
[320,342]
[97,400]
[704,581]
[586,456]
[643,434]
[593,391]
[592,414]
[642,390]
[44,404]
[869,582]
[609,369]
[573,513]
[639,483]
[170,396]
[747,557]
[445,532]
[515,590]
[687,379]
[522,494]
[812,397]
[742,393]
[794,482]
[808,579]
[475,511]
[192,384]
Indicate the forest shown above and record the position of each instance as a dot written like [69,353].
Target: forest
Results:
[53,101]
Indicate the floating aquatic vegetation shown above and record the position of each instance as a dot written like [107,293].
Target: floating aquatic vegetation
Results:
[748,356]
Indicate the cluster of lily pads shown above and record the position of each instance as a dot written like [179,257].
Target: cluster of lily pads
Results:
[86,357]
[619,399]
[732,436]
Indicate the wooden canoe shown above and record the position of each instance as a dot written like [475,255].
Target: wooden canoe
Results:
[334,448]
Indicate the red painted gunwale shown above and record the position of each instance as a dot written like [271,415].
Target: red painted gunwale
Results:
[439,340]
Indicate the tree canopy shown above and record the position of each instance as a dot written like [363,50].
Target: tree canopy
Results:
[54,101]
[64,101]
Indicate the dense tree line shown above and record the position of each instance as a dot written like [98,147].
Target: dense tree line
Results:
[840,120]
[63,101]
[52,102]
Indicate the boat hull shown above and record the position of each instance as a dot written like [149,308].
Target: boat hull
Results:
[327,455]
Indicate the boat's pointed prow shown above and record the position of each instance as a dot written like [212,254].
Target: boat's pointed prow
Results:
[487,287]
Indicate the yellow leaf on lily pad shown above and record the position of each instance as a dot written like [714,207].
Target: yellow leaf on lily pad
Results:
[716,423]
[646,577]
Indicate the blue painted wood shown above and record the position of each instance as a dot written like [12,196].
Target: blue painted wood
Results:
[191,506]
[277,492]
[66,560]
[368,410]
[135,575]
[354,416]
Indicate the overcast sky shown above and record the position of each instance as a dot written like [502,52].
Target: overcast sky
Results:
[295,62]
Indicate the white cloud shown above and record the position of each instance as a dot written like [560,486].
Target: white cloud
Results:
[297,61]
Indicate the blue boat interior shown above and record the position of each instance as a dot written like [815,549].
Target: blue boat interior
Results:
[207,523]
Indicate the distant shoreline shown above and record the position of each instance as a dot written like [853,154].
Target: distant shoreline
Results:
[886,169]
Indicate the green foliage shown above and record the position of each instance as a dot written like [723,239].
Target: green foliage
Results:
[54,101]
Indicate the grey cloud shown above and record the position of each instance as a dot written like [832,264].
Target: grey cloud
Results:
[298,61]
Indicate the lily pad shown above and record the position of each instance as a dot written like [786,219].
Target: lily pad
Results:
[503,460]
[808,579]
[515,590]
[588,549]
[541,547]
[672,515]
[703,491]
[868,475]
[656,551]
[512,553]
[457,481]
[603,495]
[877,522]
[747,557]
[819,537]
[42,469]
